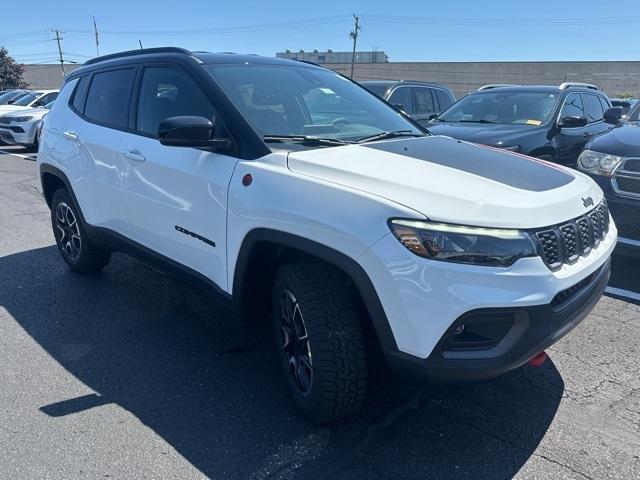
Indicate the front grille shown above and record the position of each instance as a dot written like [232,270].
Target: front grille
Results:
[567,242]
[626,180]
[566,294]
[4,121]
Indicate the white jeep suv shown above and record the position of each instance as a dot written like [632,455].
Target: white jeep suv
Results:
[286,188]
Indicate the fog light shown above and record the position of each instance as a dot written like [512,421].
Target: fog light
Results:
[459,329]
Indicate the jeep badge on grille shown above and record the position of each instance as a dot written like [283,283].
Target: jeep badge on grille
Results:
[587,202]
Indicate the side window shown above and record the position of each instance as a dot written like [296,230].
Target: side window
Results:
[572,107]
[168,92]
[401,98]
[424,100]
[78,94]
[605,103]
[48,98]
[444,99]
[108,97]
[592,107]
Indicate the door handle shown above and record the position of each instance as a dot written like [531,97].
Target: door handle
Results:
[133,156]
[70,136]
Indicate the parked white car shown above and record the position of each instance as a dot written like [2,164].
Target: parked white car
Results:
[30,99]
[360,232]
[21,127]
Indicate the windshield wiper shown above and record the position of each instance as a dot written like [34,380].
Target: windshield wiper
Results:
[308,140]
[393,134]
[476,121]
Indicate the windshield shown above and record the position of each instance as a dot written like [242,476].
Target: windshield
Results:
[525,108]
[287,100]
[6,96]
[25,100]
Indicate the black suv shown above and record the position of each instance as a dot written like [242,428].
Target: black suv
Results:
[547,122]
[613,161]
[420,100]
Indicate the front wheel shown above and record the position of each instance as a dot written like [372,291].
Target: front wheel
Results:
[320,340]
[77,250]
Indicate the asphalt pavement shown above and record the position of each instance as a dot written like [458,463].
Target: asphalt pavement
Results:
[130,374]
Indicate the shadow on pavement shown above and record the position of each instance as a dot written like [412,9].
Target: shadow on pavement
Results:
[209,385]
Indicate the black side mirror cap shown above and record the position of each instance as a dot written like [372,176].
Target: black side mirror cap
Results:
[613,115]
[572,122]
[188,131]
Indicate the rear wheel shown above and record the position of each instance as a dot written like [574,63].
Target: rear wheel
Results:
[319,340]
[77,250]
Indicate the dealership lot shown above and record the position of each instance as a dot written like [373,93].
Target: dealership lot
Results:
[130,374]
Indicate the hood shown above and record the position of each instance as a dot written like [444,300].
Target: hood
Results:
[485,133]
[10,108]
[624,141]
[452,181]
[23,112]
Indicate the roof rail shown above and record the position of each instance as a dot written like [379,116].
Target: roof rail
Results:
[491,86]
[577,84]
[141,51]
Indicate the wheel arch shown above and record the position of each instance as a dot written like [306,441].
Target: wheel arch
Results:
[264,250]
[52,178]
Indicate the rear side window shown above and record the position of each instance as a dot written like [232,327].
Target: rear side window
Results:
[424,100]
[167,92]
[79,92]
[444,99]
[108,97]
[592,108]
[572,107]
[48,98]
[401,98]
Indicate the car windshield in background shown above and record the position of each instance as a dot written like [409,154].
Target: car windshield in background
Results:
[281,101]
[25,100]
[522,108]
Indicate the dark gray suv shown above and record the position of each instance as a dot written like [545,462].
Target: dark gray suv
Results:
[420,100]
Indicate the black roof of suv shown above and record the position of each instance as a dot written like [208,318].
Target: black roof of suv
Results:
[545,121]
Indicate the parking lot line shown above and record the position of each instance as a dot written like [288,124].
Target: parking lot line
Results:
[621,292]
[26,157]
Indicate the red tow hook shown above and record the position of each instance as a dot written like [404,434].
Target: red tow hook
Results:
[538,360]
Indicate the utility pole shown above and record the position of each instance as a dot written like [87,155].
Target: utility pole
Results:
[140,42]
[58,38]
[95,29]
[354,36]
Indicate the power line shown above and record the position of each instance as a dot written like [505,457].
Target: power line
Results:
[503,22]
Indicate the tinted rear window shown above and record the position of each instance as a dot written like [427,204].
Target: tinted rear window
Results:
[444,99]
[79,92]
[108,97]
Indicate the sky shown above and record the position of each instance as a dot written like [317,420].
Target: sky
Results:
[453,30]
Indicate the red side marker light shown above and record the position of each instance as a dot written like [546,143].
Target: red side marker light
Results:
[538,360]
[247,179]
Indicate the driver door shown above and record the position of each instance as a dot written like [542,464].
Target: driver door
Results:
[569,141]
[176,197]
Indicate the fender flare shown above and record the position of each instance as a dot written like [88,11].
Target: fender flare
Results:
[338,259]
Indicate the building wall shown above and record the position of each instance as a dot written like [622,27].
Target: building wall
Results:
[46,76]
[462,77]
[315,56]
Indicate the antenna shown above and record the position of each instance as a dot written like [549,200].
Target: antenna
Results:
[95,29]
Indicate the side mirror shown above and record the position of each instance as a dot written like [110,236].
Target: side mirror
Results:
[613,115]
[572,122]
[185,131]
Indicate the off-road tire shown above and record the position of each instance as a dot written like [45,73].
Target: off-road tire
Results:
[328,306]
[83,256]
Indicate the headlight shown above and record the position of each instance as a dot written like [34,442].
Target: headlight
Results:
[20,119]
[491,247]
[598,163]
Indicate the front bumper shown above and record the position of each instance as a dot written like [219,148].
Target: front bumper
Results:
[20,134]
[533,330]
[425,301]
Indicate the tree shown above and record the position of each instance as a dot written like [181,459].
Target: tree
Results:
[10,72]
